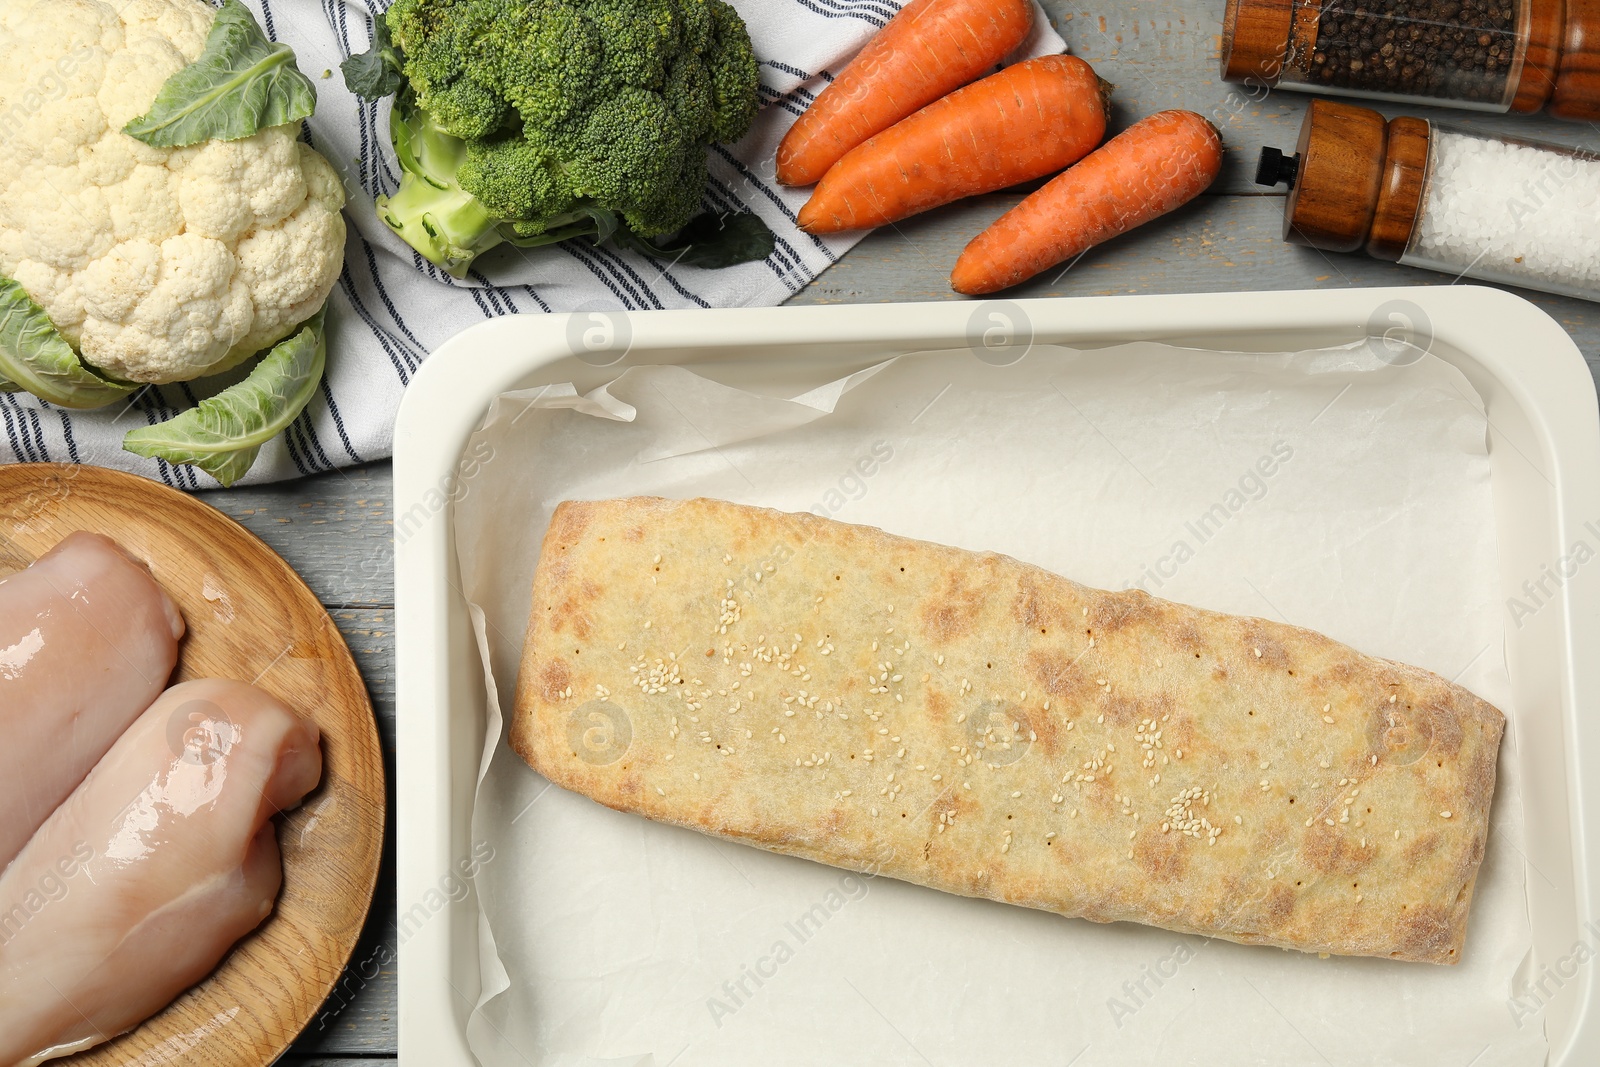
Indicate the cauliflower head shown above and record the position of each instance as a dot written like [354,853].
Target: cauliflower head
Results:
[158,264]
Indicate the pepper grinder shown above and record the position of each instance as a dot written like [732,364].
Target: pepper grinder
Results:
[1489,55]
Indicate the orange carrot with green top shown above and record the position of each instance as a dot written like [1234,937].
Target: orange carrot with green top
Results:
[929,49]
[1154,166]
[1027,121]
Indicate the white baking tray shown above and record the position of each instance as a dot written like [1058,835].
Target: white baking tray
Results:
[1545,462]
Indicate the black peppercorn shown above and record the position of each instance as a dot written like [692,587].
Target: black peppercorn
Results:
[1454,49]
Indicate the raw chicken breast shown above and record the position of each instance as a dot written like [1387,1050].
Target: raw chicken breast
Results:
[87,641]
[157,864]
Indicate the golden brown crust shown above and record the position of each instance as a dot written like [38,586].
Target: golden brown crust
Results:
[971,723]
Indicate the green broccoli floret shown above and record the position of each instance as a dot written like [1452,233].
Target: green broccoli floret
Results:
[534,121]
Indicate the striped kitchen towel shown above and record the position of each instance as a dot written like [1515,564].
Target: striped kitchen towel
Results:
[391,307]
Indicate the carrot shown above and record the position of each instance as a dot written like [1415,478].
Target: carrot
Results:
[1029,120]
[1154,166]
[929,49]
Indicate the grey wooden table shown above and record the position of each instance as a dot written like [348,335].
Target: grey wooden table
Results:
[336,529]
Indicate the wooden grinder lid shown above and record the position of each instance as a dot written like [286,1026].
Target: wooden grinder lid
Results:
[1255,36]
[1544,27]
[1405,175]
[1577,90]
[1335,195]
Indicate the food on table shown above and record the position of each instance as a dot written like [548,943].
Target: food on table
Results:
[1429,195]
[930,48]
[1489,55]
[1156,165]
[537,121]
[971,723]
[1029,120]
[160,220]
[157,864]
[87,641]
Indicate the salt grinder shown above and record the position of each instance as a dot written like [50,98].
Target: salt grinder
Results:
[1431,195]
[1489,55]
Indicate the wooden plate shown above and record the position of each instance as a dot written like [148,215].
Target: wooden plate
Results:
[250,617]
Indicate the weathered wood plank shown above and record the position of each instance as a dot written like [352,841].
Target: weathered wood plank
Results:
[334,529]
[370,634]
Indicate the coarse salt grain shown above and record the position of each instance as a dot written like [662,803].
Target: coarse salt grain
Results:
[1520,213]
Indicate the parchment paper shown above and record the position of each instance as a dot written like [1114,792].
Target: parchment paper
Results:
[1328,489]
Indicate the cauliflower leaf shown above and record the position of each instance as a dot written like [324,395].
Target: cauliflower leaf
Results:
[242,84]
[34,356]
[224,434]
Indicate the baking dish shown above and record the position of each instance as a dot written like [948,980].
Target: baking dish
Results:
[1545,463]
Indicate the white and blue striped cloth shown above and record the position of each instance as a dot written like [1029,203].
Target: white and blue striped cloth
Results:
[391,307]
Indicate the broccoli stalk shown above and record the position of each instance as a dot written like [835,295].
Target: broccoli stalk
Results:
[430,212]
[450,227]
[536,121]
